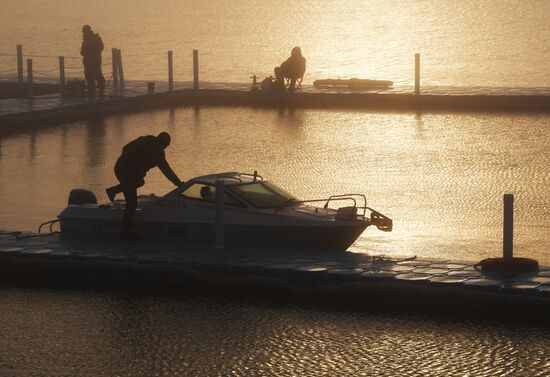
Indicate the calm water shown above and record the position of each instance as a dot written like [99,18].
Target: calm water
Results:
[81,334]
[440,177]
[462,43]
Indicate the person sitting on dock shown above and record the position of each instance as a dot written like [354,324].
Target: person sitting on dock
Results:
[137,158]
[91,49]
[293,68]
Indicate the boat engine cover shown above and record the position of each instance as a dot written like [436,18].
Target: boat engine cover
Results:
[81,196]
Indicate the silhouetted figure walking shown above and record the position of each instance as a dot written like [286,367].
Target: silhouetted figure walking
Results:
[91,49]
[292,68]
[137,158]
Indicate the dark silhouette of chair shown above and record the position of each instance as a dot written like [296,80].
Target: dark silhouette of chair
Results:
[298,82]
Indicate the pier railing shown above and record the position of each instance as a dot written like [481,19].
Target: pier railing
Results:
[47,71]
[60,70]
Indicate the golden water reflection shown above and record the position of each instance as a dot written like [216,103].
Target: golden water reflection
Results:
[462,43]
[439,176]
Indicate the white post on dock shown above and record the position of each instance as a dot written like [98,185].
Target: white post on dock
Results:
[62,73]
[30,92]
[220,231]
[120,70]
[196,69]
[416,74]
[508,227]
[115,70]
[170,71]
[20,63]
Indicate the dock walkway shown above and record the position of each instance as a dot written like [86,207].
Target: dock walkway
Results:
[408,285]
[22,112]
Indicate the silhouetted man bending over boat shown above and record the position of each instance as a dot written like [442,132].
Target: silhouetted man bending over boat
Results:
[91,49]
[137,158]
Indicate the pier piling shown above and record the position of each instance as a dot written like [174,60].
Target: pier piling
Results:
[62,73]
[30,87]
[115,70]
[20,63]
[220,231]
[196,69]
[508,265]
[170,71]
[508,228]
[416,74]
[120,69]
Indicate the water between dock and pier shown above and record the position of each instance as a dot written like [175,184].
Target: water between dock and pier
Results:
[443,192]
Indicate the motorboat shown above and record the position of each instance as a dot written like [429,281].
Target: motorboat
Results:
[242,208]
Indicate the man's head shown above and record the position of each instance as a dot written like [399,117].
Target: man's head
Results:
[86,29]
[164,139]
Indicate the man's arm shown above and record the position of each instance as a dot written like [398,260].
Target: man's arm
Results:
[169,173]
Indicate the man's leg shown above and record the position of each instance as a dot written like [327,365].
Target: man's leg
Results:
[130,196]
[113,191]
[120,170]
[100,81]
[89,74]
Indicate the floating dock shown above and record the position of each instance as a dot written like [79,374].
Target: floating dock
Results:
[339,280]
[16,114]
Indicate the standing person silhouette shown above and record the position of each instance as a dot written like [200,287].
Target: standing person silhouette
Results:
[91,49]
[137,158]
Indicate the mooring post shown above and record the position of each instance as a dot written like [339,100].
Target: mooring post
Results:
[20,63]
[150,87]
[120,70]
[115,70]
[220,231]
[416,74]
[196,69]
[508,228]
[170,71]
[62,73]
[30,91]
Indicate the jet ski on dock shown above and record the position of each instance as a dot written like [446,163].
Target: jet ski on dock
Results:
[256,213]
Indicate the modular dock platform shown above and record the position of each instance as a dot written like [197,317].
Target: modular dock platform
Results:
[339,280]
[16,114]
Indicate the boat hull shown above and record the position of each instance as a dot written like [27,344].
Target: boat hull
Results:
[321,236]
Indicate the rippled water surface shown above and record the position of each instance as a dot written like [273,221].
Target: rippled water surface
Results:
[462,43]
[439,176]
[78,334]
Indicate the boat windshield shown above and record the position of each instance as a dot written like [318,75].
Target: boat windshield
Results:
[262,194]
